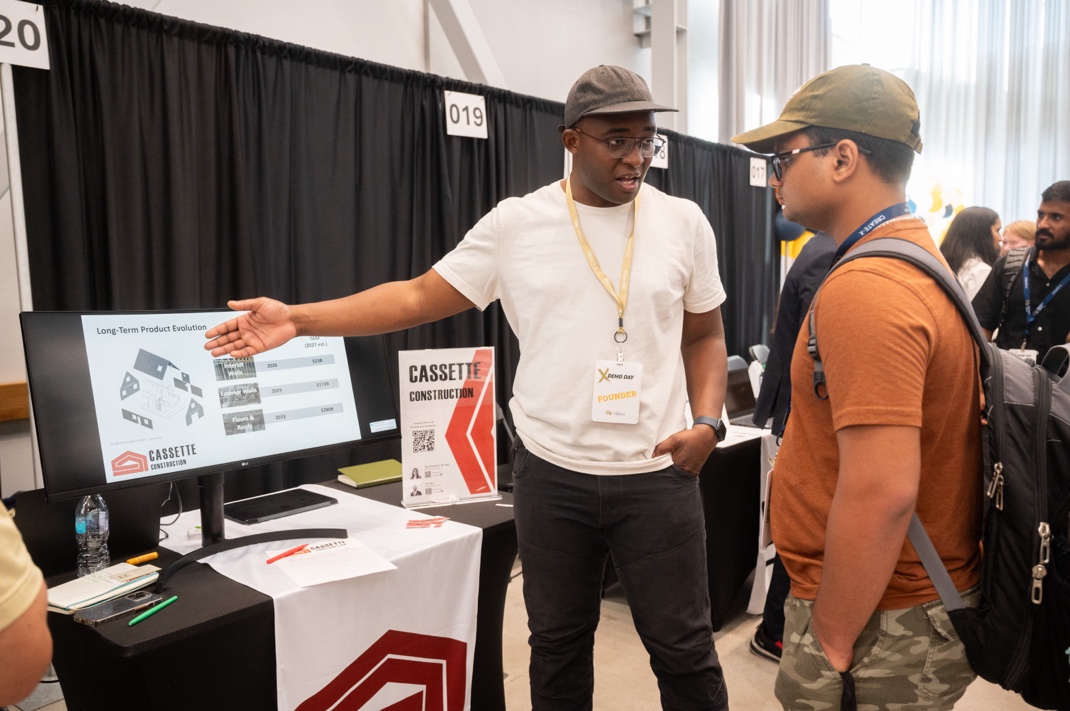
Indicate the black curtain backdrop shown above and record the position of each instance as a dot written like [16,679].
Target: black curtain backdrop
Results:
[717,178]
[172,165]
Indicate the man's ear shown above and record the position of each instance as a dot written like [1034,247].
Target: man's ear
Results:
[570,140]
[848,160]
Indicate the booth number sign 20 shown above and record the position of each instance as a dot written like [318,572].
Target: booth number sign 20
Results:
[22,34]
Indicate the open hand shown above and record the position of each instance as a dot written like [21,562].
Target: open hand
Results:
[268,324]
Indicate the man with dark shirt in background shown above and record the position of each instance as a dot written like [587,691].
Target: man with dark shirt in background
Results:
[1034,314]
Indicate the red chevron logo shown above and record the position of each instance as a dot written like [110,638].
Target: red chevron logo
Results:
[438,664]
[470,433]
[129,463]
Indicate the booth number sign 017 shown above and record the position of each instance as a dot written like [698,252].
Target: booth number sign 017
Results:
[22,34]
[466,115]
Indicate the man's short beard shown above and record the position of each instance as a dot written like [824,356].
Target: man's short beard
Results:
[1057,244]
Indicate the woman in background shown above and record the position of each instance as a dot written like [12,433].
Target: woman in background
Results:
[1019,233]
[970,246]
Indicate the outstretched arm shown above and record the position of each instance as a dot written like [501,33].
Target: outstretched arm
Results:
[381,309]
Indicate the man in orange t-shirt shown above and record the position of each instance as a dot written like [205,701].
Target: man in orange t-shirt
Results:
[895,429]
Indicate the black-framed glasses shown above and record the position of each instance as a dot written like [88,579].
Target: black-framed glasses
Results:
[622,146]
[781,161]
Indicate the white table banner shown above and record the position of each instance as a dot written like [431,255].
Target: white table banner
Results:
[403,638]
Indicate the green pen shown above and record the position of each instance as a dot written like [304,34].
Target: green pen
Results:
[152,610]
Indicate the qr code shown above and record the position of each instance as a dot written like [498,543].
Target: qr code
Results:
[423,441]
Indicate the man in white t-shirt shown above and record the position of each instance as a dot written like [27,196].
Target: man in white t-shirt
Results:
[602,472]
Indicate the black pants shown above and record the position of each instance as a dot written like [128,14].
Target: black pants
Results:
[779,587]
[652,525]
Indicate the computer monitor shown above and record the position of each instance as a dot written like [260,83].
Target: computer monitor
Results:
[127,398]
[739,399]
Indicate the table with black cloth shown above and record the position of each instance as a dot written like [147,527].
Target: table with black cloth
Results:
[730,486]
[215,648]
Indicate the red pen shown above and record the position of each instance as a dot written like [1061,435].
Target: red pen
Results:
[286,554]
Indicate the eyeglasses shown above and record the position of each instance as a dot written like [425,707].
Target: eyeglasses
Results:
[621,146]
[781,161]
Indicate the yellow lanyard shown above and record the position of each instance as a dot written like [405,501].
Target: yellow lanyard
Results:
[620,336]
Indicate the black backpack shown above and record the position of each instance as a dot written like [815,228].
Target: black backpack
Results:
[1019,635]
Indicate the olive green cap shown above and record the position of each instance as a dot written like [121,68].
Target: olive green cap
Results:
[857,98]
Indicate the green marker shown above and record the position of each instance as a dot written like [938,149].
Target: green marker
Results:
[152,611]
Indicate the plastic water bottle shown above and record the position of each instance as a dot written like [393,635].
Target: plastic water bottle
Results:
[91,527]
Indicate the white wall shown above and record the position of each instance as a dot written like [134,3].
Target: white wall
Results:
[16,448]
[540,47]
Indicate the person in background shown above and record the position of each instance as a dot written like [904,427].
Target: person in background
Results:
[774,401]
[1019,233]
[970,247]
[1025,301]
[890,430]
[25,642]
[590,484]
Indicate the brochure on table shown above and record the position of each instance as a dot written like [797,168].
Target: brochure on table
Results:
[448,443]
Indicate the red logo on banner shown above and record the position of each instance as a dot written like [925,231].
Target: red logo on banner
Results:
[129,463]
[438,664]
[471,430]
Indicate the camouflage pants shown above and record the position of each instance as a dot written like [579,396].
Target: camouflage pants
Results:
[904,660]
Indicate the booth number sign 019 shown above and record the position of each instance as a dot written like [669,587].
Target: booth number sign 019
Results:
[22,34]
[466,115]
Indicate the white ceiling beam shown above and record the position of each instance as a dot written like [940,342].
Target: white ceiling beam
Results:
[468,42]
[668,60]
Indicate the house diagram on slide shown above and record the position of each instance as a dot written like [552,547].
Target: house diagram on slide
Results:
[155,396]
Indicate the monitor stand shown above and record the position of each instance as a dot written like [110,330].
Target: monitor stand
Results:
[212,538]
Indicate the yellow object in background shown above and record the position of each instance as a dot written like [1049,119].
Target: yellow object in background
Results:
[363,475]
[143,558]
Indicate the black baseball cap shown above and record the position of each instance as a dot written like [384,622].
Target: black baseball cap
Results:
[608,90]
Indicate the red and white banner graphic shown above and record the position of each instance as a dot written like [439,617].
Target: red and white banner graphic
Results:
[434,665]
[398,640]
[448,420]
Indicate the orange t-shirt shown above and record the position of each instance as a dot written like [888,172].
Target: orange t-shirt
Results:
[896,352]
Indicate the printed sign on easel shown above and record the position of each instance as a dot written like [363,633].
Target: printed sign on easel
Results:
[449,442]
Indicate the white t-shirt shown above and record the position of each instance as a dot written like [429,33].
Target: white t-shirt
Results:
[20,579]
[525,253]
[972,275]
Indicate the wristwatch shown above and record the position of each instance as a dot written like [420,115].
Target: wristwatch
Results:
[718,426]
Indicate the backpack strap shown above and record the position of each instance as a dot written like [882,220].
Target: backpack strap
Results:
[934,565]
[1012,271]
[1057,362]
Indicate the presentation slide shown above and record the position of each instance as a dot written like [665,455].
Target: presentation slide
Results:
[164,404]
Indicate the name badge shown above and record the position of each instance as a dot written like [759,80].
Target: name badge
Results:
[616,392]
[1026,354]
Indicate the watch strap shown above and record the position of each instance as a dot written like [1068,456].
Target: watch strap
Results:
[718,426]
